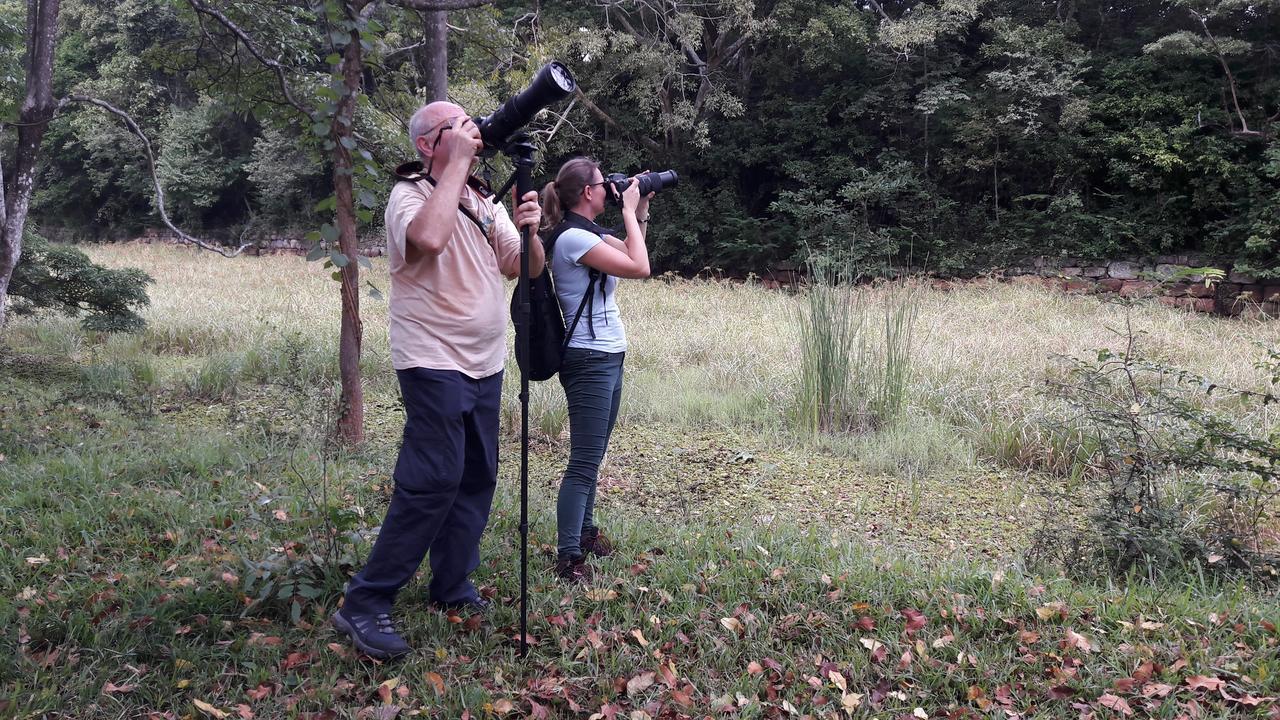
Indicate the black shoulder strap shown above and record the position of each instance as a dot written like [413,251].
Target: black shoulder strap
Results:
[413,172]
[578,315]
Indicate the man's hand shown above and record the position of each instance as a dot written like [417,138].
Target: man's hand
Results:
[464,141]
[529,212]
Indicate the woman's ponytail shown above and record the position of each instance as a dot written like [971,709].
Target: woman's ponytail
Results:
[559,197]
[552,212]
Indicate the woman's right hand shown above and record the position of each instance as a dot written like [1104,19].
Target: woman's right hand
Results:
[631,196]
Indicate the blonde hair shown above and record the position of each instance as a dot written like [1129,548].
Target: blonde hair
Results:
[559,196]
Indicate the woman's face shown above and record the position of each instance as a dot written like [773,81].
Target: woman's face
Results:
[594,193]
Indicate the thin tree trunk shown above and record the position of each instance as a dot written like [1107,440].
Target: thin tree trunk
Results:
[37,109]
[435,54]
[351,417]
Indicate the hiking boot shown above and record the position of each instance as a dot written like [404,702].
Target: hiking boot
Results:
[595,542]
[573,570]
[474,606]
[374,634]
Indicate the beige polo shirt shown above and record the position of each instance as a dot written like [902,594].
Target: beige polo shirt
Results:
[449,312]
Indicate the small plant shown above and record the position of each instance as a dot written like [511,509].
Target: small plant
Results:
[1172,481]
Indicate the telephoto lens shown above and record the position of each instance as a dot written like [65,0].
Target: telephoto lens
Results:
[553,83]
[649,183]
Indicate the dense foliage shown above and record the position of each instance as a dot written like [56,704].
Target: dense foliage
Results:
[62,279]
[949,134]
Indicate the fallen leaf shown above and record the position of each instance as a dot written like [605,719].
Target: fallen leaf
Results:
[754,668]
[639,636]
[915,620]
[640,683]
[732,624]
[920,713]
[601,594]
[1076,640]
[435,681]
[850,701]
[943,641]
[503,706]
[37,560]
[838,680]
[210,710]
[1045,612]
[112,688]
[1116,703]
[1202,682]
[1156,690]
[244,712]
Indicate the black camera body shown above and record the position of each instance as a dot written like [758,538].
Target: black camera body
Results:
[649,183]
[553,83]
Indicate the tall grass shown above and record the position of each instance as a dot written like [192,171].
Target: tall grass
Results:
[856,353]
[702,352]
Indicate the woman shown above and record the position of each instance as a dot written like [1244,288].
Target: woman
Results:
[586,263]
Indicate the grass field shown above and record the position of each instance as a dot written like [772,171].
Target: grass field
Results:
[153,483]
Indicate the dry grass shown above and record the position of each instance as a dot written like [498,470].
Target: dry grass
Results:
[708,350]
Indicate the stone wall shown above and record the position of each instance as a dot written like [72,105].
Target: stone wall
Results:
[1237,294]
[269,245]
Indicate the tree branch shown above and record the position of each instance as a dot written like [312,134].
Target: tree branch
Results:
[244,38]
[595,110]
[1231,79]
[151,165]
[440,5]
[876,6]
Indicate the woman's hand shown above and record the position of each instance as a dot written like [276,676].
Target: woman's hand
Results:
[642,207]
[631,197]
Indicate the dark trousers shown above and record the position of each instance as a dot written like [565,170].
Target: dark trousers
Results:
[444,481]
[592,381]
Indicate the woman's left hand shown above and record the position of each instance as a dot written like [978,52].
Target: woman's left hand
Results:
[642,209]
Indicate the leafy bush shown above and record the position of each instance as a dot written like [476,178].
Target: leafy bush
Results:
[1173,479]
[63,279]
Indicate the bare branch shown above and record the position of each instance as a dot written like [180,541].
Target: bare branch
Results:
[151,165]
[876,6]
[1231,79]
[244,38]
[440,5]
[595,109]
[397,56]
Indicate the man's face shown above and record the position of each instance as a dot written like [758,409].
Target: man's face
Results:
[434,144]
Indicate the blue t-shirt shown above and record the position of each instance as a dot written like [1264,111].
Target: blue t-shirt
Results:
[571,279]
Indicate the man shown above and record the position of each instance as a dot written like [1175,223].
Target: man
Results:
[449,247]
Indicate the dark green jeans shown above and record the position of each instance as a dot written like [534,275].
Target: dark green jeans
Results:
[592,381]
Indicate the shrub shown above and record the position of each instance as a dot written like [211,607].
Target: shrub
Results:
[1173,479]
[62,279]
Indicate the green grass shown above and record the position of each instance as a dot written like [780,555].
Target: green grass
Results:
[145,478]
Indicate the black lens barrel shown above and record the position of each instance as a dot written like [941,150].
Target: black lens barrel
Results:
[553,82]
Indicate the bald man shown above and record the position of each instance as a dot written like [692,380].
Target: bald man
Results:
[449,247]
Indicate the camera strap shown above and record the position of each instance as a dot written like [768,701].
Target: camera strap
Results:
[573,220]
[414,172]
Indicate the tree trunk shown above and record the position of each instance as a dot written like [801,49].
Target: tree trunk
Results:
[351,412]
[435,55]
[37,109]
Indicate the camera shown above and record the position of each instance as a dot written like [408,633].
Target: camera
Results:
[553,82]
[649,183]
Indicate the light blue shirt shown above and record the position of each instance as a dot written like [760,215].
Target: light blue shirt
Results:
[571,278]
